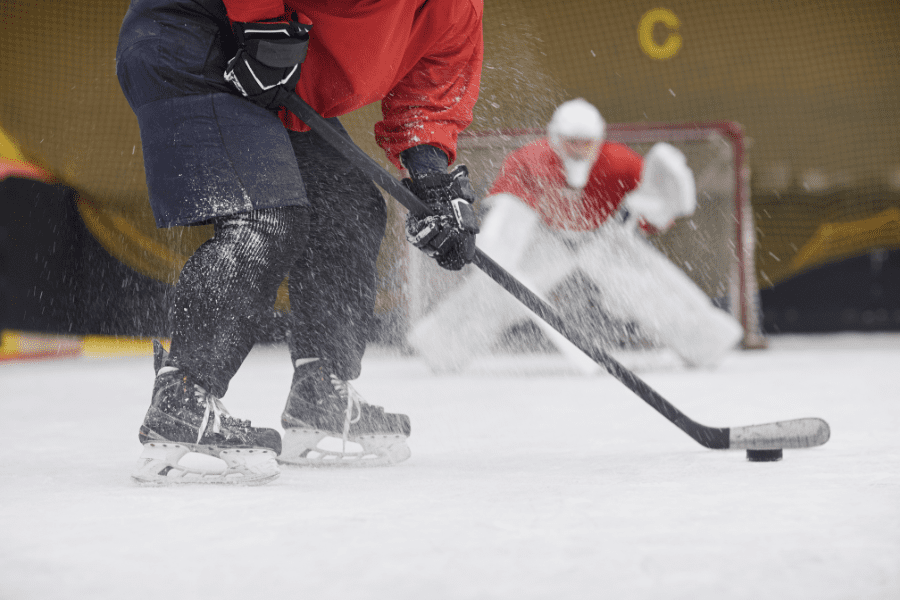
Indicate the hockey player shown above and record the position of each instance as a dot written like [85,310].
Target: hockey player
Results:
[206,79]
[572,205]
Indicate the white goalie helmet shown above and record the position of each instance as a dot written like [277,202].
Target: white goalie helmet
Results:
[576,131]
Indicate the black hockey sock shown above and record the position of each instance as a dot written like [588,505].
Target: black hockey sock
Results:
[228,287]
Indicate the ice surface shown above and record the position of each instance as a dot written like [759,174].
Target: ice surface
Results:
[527,481]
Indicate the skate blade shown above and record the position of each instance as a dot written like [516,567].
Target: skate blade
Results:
[303,447]
[160,464]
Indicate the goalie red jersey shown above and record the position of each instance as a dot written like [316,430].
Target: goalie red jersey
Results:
[536,175]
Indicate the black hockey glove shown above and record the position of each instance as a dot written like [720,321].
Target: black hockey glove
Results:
[447,235]
[268,61]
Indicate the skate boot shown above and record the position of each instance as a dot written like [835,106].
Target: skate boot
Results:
[183,418]
[322,406]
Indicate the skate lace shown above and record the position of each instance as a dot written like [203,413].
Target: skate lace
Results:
[354,402]
[215,410]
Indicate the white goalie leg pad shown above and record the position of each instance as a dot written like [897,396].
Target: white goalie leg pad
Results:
[576,357]
[640,284]
[472,318]
[161,464]
[304,447]
[465,325]
[550,261]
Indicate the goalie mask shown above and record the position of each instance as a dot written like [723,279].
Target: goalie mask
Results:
[576,132]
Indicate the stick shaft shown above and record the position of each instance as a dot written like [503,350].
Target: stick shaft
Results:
[711,437]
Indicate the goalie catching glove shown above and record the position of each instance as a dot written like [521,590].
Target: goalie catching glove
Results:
[667,190]
[267,64]
[448,233]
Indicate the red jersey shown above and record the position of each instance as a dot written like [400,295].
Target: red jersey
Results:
[535,174]
[420,58]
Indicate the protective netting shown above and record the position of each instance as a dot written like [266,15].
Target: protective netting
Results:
[714,246]
[815,86]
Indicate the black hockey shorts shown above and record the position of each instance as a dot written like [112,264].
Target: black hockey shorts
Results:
[207,151]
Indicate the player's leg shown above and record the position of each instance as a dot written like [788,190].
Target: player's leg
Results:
[332,293]
[210,157]
[332,287]
[226,291]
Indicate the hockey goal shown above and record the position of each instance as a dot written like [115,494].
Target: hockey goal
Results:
[715,246]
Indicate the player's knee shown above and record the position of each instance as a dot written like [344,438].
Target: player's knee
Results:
[269,237]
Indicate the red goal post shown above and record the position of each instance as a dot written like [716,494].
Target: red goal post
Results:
[715,246]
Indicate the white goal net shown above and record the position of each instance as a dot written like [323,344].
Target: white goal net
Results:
[714,247]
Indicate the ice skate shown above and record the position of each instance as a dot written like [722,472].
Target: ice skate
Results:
[324,414]
[184,418]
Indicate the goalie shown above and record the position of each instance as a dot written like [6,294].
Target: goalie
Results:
[574,207]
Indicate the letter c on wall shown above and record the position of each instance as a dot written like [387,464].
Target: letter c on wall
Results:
[645,34]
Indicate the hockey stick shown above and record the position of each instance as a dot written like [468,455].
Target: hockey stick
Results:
[796,433]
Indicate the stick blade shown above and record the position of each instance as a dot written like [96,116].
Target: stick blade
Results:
[797,433]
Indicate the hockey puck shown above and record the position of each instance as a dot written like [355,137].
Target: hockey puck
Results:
[764,455]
